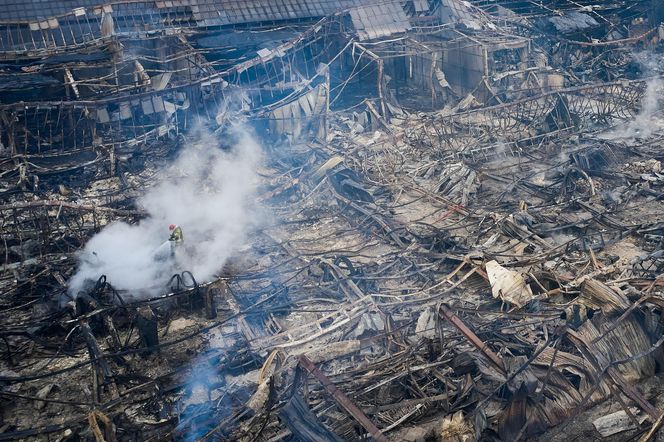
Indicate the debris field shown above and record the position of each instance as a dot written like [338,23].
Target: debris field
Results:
[401,220]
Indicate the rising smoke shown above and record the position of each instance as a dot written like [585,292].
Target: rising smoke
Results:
[649,119]
[208,191]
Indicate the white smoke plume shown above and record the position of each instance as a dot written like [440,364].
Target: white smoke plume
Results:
[649,119]
[208,191]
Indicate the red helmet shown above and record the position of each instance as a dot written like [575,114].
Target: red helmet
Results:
[171,227]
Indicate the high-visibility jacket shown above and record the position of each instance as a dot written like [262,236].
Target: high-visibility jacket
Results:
[176,235]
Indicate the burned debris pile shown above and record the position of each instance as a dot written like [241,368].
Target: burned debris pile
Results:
[391,220]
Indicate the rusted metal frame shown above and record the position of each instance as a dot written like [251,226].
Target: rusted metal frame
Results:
[342,399]
[472,337]
[611,100]
[629,98]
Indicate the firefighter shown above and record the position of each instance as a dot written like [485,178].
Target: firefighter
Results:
[176,238]
[176,234]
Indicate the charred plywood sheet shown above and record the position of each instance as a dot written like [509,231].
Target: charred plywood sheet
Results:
[375,21]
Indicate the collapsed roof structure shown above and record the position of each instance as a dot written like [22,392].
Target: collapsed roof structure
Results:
[454,229]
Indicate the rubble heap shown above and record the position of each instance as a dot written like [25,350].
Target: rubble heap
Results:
[458,233]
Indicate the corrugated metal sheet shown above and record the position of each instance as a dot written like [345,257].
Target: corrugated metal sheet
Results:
[381,20]
[204,12]
[293,118]
[453,11]
[19,10]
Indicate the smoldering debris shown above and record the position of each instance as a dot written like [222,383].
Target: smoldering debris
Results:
[440,221]
[649,119]
[209,191]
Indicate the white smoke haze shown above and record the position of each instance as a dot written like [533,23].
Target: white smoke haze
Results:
[209,192]
[649,119]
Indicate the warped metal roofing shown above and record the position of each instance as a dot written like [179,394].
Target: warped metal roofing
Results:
[205,12]
[375,21]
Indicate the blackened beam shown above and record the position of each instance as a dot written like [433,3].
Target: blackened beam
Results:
[342,399]
[472,337]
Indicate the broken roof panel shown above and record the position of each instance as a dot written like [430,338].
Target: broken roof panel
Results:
[372,21]
[25,21]
[461,11]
